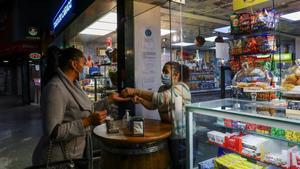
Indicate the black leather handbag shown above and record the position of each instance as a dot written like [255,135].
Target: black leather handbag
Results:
[68,163]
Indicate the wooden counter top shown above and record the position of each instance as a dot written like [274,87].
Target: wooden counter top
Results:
[154,130]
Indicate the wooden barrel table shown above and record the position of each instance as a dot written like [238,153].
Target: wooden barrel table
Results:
[123,151]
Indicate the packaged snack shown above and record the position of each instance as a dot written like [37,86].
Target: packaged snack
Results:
[291,82]
[234,23]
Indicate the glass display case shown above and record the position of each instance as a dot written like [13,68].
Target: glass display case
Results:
[233,133]
[97,87]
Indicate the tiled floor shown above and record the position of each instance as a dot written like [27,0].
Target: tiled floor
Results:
[20,129]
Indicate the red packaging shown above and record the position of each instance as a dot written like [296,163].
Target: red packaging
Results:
[228,123]
[233,143]
[251,127]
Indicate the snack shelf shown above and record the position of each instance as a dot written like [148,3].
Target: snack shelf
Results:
[201,73]
[226,109]
[255,32]
[201,81]
[259,134]
[253,53]
[261,91]
[247,156]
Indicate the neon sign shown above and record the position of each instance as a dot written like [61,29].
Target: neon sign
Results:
[62,12]
[35,56]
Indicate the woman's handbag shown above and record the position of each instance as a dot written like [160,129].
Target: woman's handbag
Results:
[68,163]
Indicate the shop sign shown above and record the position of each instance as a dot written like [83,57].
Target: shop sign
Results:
[179,1]
[240,4]
[33,33]
[35,56]
[62,13]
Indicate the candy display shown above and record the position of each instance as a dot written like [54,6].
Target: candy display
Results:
[207,164]
[292,135]
[253,145]
[227,161]
[233,161]
[261,44]
[275,158]
[277,132]
[216,137]
[233,141]
[263,129]
[258,21]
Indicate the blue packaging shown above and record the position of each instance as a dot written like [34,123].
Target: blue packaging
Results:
[207,164]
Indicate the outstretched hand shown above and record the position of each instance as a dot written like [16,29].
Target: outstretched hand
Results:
[128,92]
[115,97]
[136,99]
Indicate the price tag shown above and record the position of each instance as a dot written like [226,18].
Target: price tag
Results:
[293,109]
[293,105]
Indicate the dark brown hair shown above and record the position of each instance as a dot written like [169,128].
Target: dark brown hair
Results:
[68,54]
[183,70]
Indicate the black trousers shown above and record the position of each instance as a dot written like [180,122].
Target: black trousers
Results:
[177,148]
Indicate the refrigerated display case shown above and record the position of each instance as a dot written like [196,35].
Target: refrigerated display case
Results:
[231,133]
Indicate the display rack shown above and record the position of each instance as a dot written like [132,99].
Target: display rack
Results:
[225,109]
[98,85]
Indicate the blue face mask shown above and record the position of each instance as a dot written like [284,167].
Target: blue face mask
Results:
[81,76]
[165,79]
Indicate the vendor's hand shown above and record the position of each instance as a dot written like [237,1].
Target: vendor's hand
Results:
[115,97]
[128,92]
[137,100]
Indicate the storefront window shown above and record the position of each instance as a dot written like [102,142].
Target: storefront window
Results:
[98,41]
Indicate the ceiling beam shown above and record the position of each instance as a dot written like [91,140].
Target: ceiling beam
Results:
[194,16]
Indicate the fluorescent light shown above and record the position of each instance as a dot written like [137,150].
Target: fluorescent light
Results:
[103,26]
[225,29]
[5,61]
[212,47]
[212,39]
[175,38]
[164,32]
[295,16]
[110,17]
[182,44]
[99,32]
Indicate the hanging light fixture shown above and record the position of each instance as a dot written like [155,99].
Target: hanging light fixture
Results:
[219,39]
[199,40]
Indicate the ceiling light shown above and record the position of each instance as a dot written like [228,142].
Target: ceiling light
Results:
[182,44]
[212,39]
[98,32]
[295,16]
[110,17]
[175,38]
[103,26]
[5,61]
[164,32]
[225,29]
